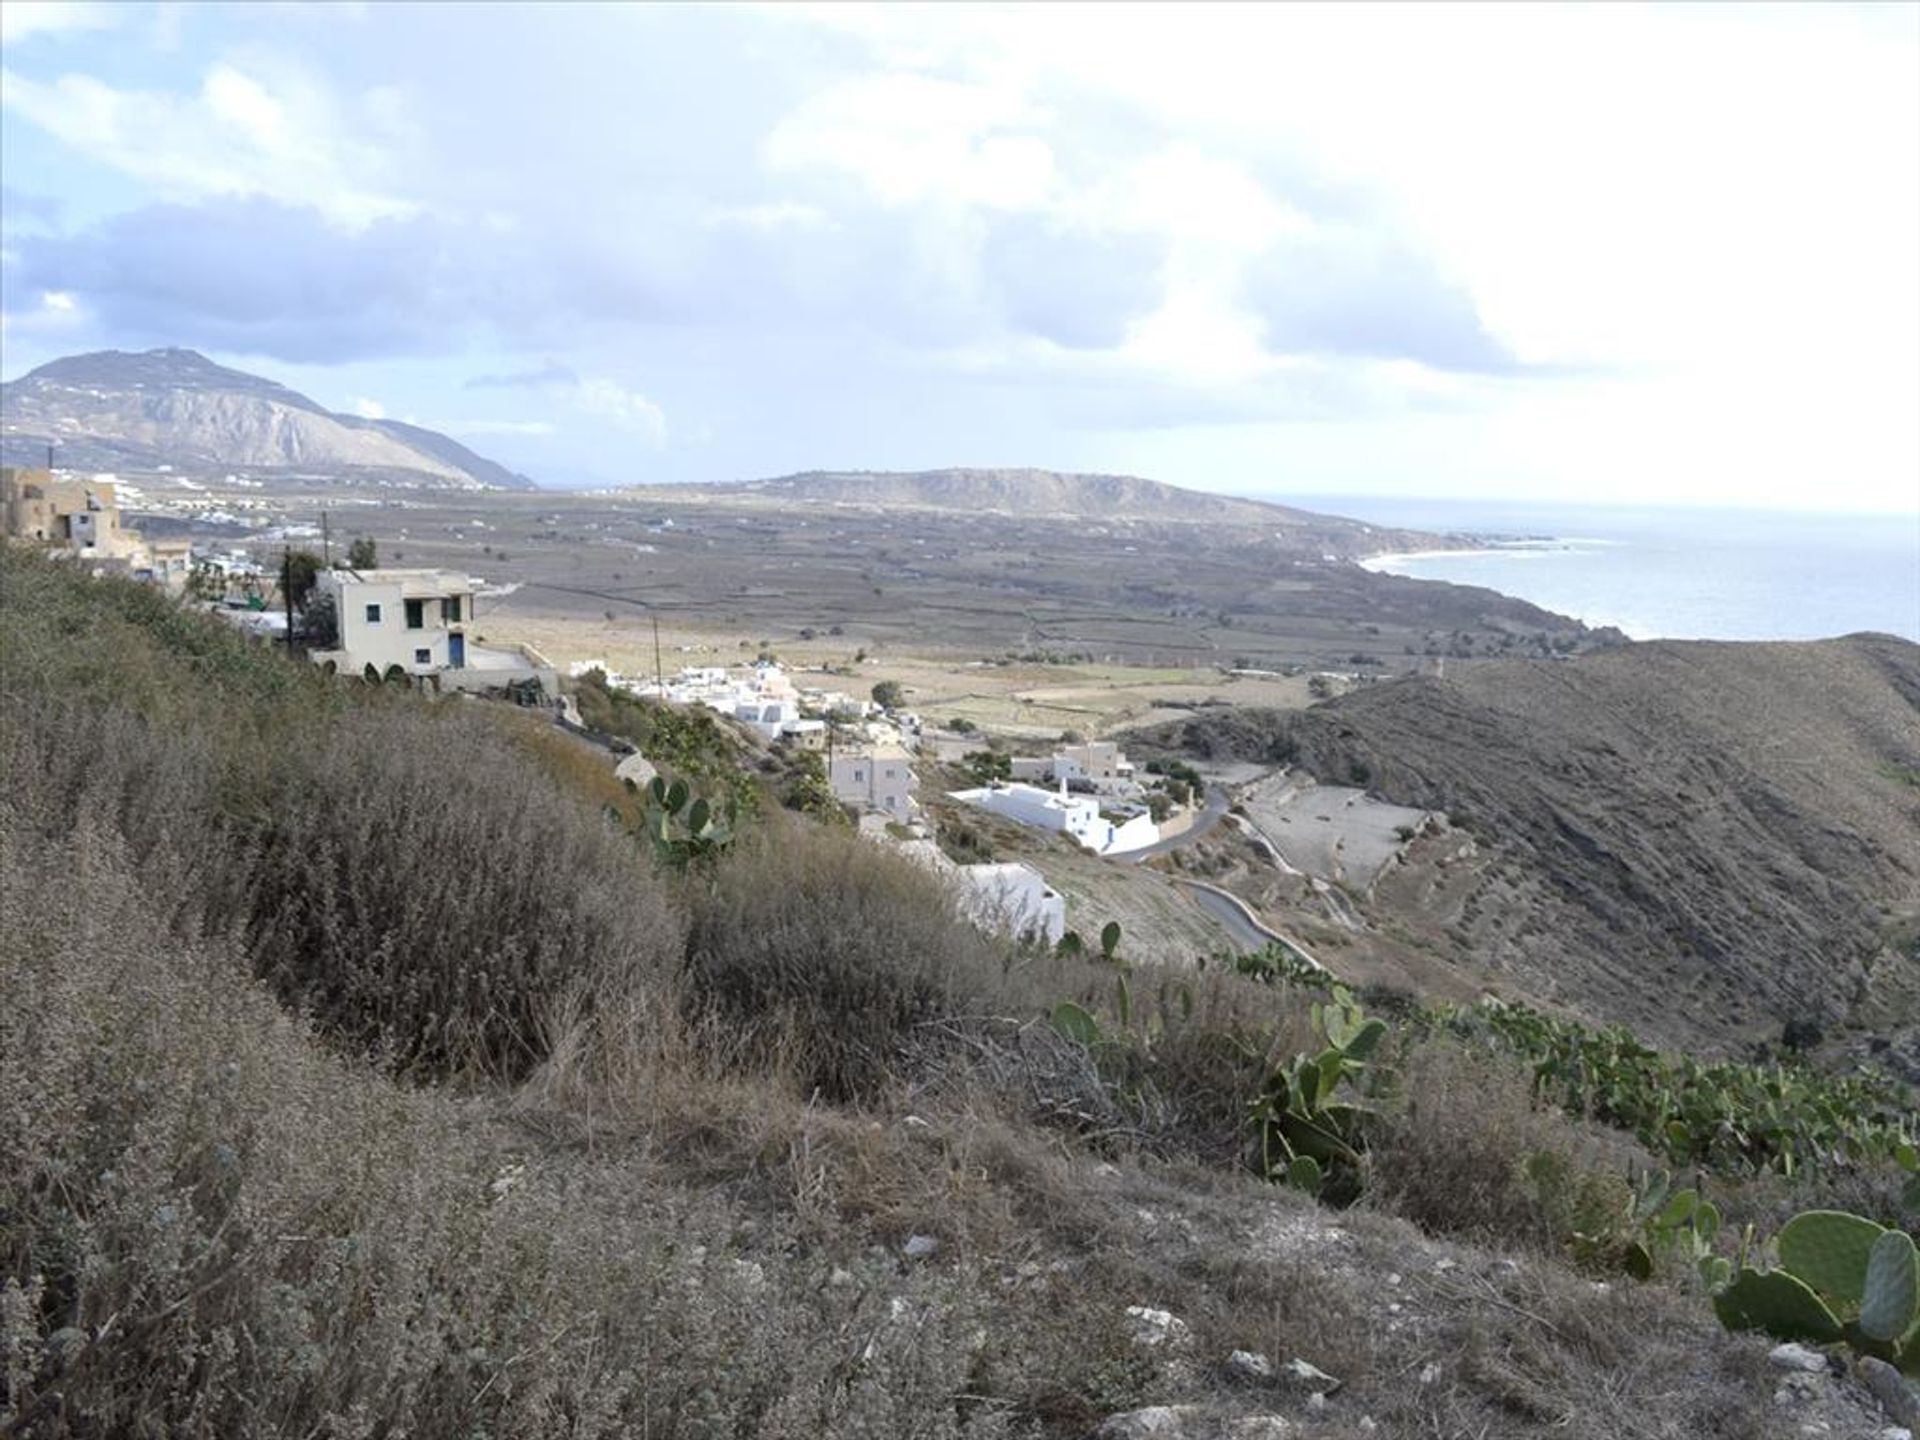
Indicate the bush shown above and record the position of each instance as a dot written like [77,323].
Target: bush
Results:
[1468,1153]
[824,955]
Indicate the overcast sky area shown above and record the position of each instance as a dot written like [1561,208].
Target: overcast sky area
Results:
[1597,253]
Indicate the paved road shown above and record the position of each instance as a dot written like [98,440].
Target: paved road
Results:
[1209,817]
[1238,921]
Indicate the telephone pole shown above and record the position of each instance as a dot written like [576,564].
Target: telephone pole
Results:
[659,674]
[286,589]
[326,537]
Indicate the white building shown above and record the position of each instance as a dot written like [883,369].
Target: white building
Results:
[1078,816]
[419,620]
[1011,898]
[880,779]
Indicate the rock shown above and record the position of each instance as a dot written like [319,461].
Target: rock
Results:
[1311,1378]
[1798,1357]
[1245,1365]
[1156,1422]
[1896,1396]
[1151,1327]
[919,1247]
[1800,1387]
[1190,1422]
[916,1122]
[1430,1372]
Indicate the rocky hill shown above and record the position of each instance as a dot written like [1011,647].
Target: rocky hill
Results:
[114,410]
[1048,493]
[1702,839]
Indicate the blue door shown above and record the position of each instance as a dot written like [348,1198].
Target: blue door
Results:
[457,650]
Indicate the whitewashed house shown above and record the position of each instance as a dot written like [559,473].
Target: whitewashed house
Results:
[1077,816]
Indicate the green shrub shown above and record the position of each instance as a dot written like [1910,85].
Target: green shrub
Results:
[831,950]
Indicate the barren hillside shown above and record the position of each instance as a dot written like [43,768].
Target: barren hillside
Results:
[1703,839]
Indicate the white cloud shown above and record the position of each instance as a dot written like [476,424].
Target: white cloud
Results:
[608,400]
[22,18]
[1721,204]
[367,409]
[502,427]
[909,137]
[238,135]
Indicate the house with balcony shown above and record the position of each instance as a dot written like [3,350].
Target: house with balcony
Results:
[422,621]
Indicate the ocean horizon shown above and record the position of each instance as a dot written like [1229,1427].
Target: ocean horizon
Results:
[1668,573]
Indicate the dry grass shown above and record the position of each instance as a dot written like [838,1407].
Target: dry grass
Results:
[730,1099]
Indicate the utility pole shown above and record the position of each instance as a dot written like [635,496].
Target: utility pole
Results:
[286,589]
[659,674]
[326,537]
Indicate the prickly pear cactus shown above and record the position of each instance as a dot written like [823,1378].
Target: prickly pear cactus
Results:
[1778,1303]
[1890,1298]
[1828,1249]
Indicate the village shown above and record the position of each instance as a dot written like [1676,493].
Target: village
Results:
[419,626]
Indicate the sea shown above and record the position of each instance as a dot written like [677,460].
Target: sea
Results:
[1669,573]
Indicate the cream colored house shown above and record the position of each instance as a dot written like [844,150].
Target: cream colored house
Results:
[81,517]
[1098,765]
[421,621]
[879,778]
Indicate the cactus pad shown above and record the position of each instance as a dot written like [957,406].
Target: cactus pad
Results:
[1828,1249]
[1777,1303]
[1892,1292]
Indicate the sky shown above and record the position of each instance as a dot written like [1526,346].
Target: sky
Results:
[1635,253]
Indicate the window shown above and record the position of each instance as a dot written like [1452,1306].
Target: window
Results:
[373,614]
[450,610]
[416,614]
[423,657]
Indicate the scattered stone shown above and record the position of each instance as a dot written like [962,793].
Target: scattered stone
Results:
[840,1279]
[1800,1387]
[750,1273]
[1307,1377]
[1898,1398]
[1443,1264]
[1151,1327]
[1191,1422]
[1798,1357]
[1156,1422]
[1317,1400]
[919,1247]
[916,1122]
[1246,1365]
[1430,1372]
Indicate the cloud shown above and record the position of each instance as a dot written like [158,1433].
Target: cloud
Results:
[367,409]
[609,400]
[22,18]
[552,373]
[237,135]
[501,427]
[1348,291]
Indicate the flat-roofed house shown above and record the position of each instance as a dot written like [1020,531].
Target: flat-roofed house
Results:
[421,621]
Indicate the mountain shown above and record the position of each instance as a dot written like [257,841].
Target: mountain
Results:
[115,410]
[1048,493]
[1703,840]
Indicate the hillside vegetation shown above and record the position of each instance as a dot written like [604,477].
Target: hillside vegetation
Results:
[361,1075]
